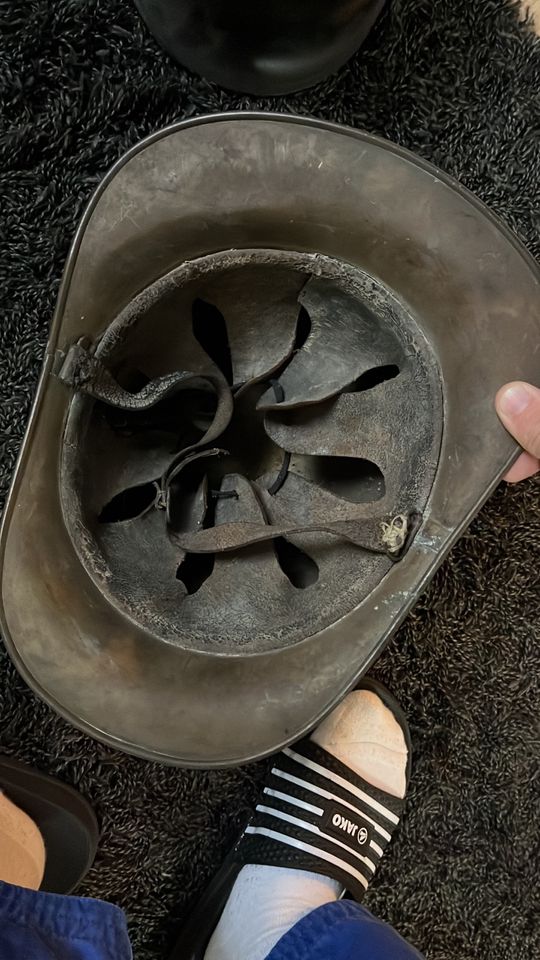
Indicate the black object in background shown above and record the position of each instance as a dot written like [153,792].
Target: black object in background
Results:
[266,48]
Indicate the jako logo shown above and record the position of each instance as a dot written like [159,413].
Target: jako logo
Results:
[352,829]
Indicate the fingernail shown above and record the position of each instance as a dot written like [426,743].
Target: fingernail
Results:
[515,400]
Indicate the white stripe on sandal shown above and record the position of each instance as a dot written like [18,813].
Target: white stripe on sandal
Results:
[314,851]
[329,775]
[312,828]
[329,796]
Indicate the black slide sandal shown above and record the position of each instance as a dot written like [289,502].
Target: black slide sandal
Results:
[65,819]
[307,787]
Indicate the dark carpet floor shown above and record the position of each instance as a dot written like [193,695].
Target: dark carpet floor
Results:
[458,81]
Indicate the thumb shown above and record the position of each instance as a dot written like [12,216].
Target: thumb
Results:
[518,406]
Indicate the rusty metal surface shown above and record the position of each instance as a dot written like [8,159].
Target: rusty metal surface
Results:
[460,278]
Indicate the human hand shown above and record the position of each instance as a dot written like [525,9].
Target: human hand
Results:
[518,407]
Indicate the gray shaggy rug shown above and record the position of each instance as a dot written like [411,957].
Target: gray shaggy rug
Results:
[457,81]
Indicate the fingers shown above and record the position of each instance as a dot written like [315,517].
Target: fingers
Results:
[525,466]
[518,406]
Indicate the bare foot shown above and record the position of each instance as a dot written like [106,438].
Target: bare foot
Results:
[22,851]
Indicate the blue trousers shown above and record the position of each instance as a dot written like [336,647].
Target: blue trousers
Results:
[43,926]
